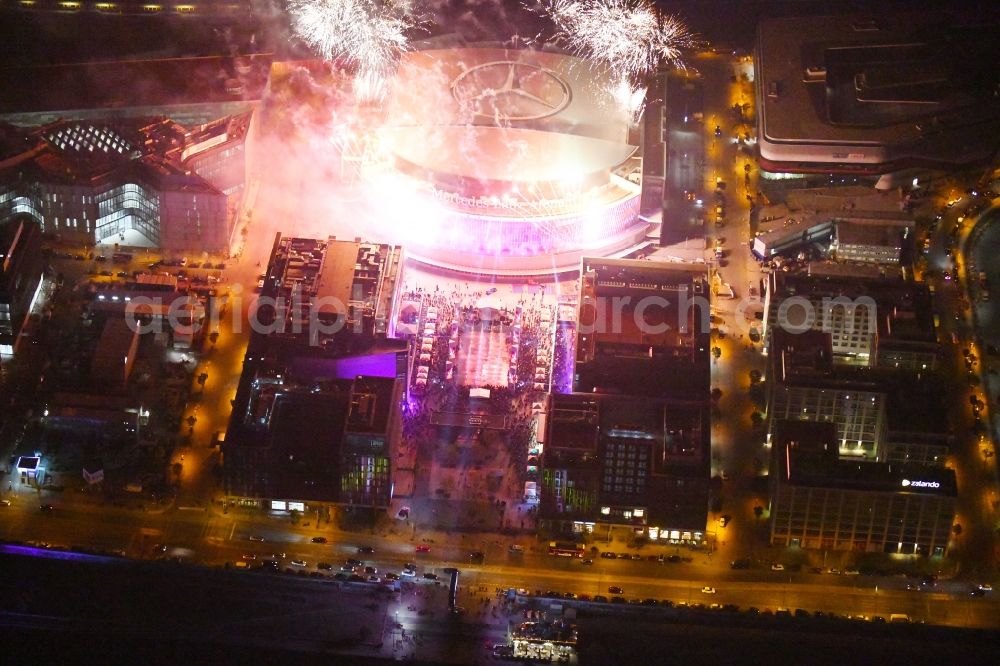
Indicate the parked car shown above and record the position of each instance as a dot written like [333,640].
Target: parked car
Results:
[614,589]
[708,590]
[777,567]
[423,549]
[430,576]
[368,550]
[319,539]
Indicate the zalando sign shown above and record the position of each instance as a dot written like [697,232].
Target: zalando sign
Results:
[920,484]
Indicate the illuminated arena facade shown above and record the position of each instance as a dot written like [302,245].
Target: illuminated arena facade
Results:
[506,161]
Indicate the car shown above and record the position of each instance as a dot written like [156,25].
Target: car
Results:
[5,502]
[976,592]
[347,568]
[477,556]
[587,562]
[718,131]
[371,570]
[650,602]
[423,549]
[256,538]
[636,557]
[600,598]
[298,563]
[319,539]
[391,576]
[249,556]
[373,579]
[851,572]
[408,573]
[708,590]
[674,559]
[430,576]
[624,556]
[740,564]
[353,562]
[325,566]
[777,567]
[46,507]
[515,548]
[368,550]
[618,600]
[614,589]
[985,587]
[608,555]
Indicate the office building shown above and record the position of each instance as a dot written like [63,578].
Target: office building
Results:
[315,421]
[141,182]
[804,385]
[875,95]
[20,277]
[872,321]
[642,329]
[629,462]
[819,500]
[630,447]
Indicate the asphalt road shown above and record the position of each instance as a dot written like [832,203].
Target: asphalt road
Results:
[213,539]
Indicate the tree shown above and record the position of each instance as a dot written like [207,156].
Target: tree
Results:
[717,352]
[202,378]
[757,419]
[758,511]
[956,529]
[213,337]
[754,376]
[191,420]
[716,394]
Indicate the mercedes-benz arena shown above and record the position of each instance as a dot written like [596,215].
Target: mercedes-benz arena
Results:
[507,161]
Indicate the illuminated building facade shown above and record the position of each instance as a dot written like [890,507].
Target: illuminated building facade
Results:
[131,183]
[819,500]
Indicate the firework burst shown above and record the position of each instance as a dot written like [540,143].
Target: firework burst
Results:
[368,35]
[629,36]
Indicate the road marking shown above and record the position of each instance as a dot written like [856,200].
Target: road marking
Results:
[232,531]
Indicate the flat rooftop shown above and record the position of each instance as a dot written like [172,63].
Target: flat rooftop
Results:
[133,83]
[919,85]
[801,465]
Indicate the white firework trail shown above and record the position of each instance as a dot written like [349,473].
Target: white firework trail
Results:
[368,35]
[629,36]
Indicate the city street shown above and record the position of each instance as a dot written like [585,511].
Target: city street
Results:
[210,538]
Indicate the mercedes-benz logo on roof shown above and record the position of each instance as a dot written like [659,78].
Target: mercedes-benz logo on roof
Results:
[509,90]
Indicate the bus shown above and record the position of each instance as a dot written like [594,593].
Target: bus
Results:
[566,549]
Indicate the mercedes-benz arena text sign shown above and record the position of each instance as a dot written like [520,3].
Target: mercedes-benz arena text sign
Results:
[907,483]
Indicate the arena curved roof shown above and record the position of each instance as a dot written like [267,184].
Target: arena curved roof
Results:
[509,116]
